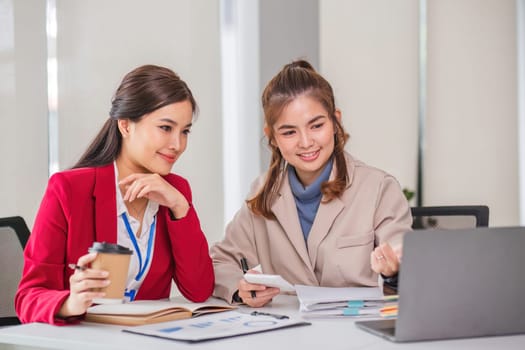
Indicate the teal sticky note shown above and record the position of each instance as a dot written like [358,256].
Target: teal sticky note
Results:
[356,303]
[350,311]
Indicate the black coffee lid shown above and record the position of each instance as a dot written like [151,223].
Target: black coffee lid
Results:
[110,248]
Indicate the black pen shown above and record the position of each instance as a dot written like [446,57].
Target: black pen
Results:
[244,265]
[77,267]
[279,317]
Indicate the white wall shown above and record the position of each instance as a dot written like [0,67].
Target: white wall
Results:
[369,53]
[472,130]
[241,122]
[520,16]
[23,107]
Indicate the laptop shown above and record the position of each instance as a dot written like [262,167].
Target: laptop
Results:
[458,284]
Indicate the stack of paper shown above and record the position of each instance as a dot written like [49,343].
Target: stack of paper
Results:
[345,302]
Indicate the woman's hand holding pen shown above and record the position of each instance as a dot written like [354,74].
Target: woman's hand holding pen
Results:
[263,294]
[154,187]
[385,260]
[81,285]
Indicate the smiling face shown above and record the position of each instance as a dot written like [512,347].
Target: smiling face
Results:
[155,142]
[304,134]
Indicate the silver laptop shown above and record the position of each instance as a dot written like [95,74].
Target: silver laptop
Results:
[458,284]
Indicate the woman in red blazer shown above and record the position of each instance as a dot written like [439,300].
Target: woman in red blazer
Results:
[121,191]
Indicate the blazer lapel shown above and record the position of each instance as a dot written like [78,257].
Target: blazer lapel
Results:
[105,202]
[285,211]
[327,213]
[325,217]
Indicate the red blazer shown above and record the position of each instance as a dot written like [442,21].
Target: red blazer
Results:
[78,208]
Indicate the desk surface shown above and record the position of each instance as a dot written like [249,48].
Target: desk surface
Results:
[335,333]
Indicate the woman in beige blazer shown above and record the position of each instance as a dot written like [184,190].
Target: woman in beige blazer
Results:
[318,216]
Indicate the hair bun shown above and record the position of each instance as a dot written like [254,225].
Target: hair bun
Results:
[301,64]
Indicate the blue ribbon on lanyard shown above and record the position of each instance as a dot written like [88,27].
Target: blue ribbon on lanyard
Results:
[142,268]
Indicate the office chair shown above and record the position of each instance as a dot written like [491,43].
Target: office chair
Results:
[450,217]
[14,234]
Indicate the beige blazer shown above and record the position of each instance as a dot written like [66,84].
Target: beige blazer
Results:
[345,231]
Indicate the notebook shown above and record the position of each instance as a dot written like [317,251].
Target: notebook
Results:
[458,284]
[143,312]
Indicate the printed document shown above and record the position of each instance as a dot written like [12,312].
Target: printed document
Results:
[216,326]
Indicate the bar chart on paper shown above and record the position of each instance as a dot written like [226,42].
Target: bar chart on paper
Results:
[216,326]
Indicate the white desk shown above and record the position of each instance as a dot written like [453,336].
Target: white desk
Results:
[327,333]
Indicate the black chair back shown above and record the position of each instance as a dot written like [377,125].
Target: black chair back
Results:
[450,217]
[14,234]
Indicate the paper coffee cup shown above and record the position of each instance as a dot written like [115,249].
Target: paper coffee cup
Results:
[114,259]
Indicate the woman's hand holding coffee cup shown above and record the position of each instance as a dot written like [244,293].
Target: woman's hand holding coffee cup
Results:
[82,285]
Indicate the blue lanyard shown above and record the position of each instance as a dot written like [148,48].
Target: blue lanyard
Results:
[142,268]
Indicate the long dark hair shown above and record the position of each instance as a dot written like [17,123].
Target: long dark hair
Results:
[142,91]
[296,79]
